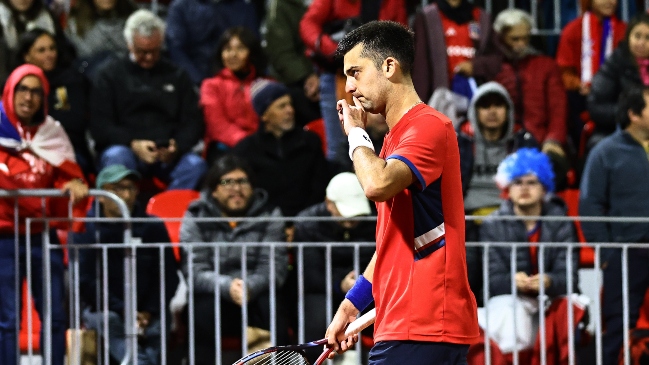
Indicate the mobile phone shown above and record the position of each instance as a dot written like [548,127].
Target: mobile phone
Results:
[162,143]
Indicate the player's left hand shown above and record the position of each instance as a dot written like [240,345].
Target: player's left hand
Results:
[351,116]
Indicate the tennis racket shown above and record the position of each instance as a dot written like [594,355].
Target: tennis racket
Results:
[294,354]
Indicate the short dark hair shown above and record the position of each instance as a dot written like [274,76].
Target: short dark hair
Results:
[633,101]
[380,40]
[491,98]
[224,165]
[256,55]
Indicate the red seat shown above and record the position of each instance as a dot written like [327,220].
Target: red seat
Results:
[317,127]
[23,335]
[587,253]
[172,204]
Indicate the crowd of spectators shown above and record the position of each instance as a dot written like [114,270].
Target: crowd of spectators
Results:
[113,96]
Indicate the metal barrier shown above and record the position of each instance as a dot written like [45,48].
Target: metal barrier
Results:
[298,248]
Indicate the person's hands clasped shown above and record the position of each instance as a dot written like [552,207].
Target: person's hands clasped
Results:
[351,116]
[336,331]
[145,150]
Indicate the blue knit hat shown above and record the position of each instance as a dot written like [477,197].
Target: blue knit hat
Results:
[523,162]
[264,92]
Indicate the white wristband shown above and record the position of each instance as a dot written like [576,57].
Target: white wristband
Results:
[358,137]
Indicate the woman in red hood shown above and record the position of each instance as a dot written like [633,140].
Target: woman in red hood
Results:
[35,153]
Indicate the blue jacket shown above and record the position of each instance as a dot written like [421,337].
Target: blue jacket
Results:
[195,26]
[614,185]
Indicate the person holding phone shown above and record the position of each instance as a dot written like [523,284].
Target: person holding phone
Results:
[144,110]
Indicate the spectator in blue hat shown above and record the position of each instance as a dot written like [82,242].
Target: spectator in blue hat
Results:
[288,161]
[122,181]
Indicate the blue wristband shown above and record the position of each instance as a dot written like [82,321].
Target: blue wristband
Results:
[360,294]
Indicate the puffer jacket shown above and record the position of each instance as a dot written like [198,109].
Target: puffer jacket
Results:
[258,258]
[619,73]
[555,264]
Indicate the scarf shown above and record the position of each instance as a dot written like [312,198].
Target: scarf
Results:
[50,142]
[593,51]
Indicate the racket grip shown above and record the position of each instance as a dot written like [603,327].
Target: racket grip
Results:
[361,323]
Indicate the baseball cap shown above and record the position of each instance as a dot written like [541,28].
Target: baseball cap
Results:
[348,195]
[114,173]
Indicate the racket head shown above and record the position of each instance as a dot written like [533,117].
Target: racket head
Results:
[280,355]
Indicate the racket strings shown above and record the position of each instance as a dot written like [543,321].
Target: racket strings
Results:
[279,358]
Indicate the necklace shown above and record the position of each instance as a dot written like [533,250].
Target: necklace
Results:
[414,105]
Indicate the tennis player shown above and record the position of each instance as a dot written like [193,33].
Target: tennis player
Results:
[426,313]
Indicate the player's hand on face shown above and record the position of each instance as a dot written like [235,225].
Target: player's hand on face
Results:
[351,116]
[336,331]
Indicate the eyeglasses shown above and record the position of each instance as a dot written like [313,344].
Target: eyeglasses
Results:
[120,189]
[231,183]
[530,183]
[22,89]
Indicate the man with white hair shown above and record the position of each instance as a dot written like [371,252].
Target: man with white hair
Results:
[144,110]
[532,80]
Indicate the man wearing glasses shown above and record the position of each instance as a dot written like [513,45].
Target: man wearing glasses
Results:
[230,192]
[144,109]
[122,181]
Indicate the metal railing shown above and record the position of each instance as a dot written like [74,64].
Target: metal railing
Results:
[131,248]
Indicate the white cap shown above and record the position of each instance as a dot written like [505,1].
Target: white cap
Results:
[346,192]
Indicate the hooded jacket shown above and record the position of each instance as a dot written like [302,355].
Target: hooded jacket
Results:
[479,158]
[555,265]
[534,83]
[32,157]
[258,257]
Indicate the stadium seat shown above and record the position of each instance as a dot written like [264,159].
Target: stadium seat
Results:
[317,127]
[23,336]
[171,204]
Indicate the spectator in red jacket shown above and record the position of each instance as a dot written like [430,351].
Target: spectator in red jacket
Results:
[225,98]
[36,154]
[601,30]
[323,25]
[534,83]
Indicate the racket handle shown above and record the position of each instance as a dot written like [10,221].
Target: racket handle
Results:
[361,323]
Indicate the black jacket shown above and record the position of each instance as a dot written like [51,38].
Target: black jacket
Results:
[342,258]
[292,169]
[555,264]
[618,74]
[129,102]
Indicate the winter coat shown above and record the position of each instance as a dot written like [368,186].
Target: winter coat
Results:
[194,28]
[129,102]
[342,258]
[619,73]
[430,69]
[284,47]
[292,168]
[555,264]
[479,159]
[534,83]
[222,233]
[227,107]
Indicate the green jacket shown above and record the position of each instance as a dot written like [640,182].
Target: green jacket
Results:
[284,46]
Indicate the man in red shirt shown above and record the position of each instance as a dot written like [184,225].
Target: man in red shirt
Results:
[417,277]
